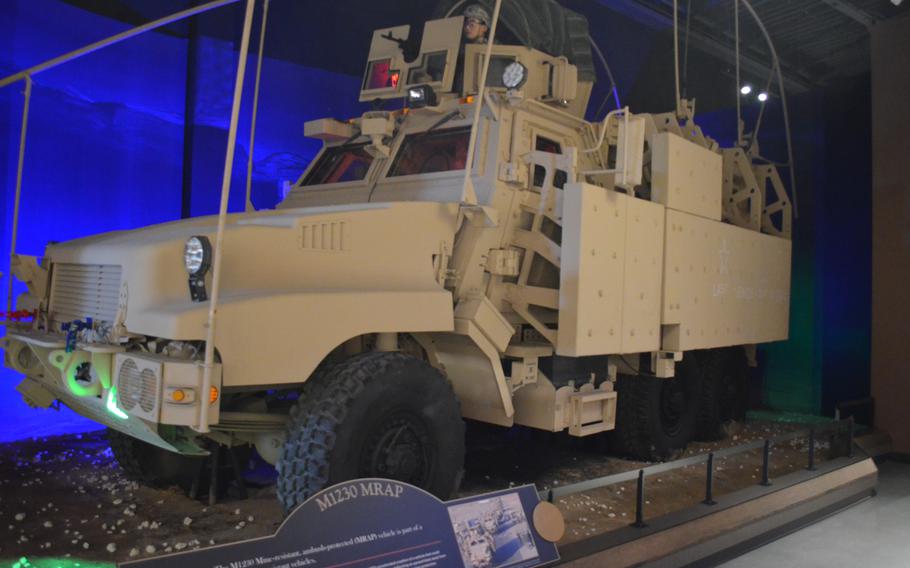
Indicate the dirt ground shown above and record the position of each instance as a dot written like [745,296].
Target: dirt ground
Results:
[66,497]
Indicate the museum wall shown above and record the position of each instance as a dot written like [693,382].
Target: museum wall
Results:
[891,228]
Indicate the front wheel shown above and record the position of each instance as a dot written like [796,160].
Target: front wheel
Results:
[385,415]
[151,465]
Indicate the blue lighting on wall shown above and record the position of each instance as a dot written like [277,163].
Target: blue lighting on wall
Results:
[106,134]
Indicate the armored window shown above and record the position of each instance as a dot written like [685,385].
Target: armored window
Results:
[431,70]
[380,75]
[429,152]
[340,164]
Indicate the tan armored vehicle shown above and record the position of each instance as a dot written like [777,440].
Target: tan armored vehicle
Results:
[529,268]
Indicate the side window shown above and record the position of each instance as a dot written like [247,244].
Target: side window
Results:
[543,144]
[340,164]
[430,152]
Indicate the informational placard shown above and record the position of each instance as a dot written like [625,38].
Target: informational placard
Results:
[386,524]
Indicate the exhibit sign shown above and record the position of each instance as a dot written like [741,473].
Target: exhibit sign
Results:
[387,524]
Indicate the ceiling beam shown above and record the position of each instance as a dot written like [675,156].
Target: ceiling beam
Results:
[794,82]
[848,9]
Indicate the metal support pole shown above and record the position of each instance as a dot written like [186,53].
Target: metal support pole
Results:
[248,203]
[222,214]
[51,63]
[19,169]
[678,101]
[766,465]
[709,481]
[739,112]
[469,196]
[811,466]
[640,501]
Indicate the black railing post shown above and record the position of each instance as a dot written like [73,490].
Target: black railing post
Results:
[709,482]
[640,501]
[213,474]
[766,464]
[550,495]
[811,466]
[850,434]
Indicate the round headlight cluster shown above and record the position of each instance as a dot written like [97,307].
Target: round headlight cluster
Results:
[515,75]
[197,255]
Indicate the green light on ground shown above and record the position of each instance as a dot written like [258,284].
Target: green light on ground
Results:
[53,563]
[112,405]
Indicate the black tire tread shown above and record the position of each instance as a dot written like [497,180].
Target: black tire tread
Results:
[303,469]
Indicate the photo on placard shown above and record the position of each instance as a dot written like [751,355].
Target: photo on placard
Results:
[493,532]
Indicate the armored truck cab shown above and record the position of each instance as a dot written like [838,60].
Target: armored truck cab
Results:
[528,268]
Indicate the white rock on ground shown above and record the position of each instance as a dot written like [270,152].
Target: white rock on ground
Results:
[111,547]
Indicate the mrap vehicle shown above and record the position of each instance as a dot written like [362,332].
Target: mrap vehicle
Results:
[525,268]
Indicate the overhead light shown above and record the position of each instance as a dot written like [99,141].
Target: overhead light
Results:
[745,89]
[896,2]
[763,96]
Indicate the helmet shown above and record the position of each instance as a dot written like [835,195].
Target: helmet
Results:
[477,12]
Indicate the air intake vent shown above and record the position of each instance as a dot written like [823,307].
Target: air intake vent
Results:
[85,290]
[138,386]
[332,236]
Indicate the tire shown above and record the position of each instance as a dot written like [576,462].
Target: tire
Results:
[151,465]
[724,396]
[656,417]
[376,414]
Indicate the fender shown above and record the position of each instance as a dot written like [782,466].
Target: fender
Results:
[281,337]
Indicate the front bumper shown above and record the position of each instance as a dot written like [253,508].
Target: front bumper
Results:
[129,391]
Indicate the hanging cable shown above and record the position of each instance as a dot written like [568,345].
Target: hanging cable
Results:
[613,88]
[739,110]
[783,100]
[19,168]
[248,204]
[685,69]
[761,111]
[676,53]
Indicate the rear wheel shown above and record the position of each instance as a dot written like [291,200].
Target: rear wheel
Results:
[724,395]
[656,417]
[385,415]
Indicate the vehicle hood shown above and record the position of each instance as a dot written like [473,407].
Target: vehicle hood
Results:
[373,246]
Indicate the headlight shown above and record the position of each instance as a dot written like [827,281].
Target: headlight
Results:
[514,75]
[421,96]
[197,255]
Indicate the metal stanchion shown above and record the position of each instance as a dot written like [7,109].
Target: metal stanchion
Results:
[709,482]
[766,464]
[640,501]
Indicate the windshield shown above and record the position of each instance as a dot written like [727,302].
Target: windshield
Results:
[340,164]
[429,152]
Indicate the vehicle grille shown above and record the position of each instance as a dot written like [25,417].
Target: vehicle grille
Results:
[85,290]
[136,387]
